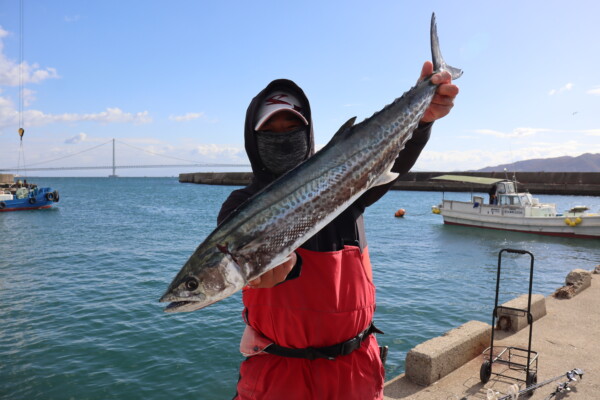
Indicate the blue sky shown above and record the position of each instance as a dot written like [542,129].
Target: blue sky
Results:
[174,78]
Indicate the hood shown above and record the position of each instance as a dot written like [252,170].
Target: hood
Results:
[262,176]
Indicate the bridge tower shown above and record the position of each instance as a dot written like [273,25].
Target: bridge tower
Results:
[114,168]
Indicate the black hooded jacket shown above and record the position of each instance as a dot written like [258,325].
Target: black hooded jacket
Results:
[348,227]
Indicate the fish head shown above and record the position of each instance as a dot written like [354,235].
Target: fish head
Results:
[207,277]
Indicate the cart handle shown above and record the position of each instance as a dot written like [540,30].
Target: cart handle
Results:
[516,251]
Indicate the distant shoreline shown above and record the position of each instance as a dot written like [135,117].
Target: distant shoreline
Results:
[563,183]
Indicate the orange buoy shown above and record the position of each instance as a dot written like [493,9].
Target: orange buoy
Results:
[400,213]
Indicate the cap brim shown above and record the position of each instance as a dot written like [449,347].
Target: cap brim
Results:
[266,117]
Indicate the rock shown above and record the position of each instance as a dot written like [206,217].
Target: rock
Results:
[565,292]
[580,279]
[575,282]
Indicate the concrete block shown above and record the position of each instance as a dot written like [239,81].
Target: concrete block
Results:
[437,357]
[514,321]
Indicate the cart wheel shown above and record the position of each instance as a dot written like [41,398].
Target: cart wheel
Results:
[531,380]
[485,372]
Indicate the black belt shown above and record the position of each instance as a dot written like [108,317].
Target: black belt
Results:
[329,352]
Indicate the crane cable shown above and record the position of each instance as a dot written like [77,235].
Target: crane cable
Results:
[21,85]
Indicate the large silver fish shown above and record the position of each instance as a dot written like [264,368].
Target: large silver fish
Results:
[272,224]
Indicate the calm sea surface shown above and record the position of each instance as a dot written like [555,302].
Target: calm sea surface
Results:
[79,284]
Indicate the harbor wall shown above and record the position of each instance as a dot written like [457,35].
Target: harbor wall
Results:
[565,183]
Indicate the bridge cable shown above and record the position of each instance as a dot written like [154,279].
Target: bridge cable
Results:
[161,155]
[70,155]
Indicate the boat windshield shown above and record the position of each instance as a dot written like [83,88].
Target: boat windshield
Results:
[509,200]
[506,187]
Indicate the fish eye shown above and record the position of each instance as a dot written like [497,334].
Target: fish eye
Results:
[191,284]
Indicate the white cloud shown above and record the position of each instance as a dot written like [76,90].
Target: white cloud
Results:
[213,151]
[516,133]
[595,91]
[28,97]
[81,137]
[31,73]
[523,132]
[186,117]
[9,76]
[112,115]
[568,86]
[479,158]
[9,116]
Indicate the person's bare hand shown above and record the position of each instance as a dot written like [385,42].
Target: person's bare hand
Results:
[443,99]
[275,275]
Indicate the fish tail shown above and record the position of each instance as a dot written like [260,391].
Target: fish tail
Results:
[436,55]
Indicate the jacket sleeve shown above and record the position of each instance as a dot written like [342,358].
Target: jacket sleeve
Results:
[404,162]
[235,199]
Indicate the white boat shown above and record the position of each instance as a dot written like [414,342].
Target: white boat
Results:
[507,209]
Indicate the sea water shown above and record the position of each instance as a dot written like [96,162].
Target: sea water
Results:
[79,284]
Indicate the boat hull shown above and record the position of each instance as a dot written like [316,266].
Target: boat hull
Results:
[41,198]
[509,218]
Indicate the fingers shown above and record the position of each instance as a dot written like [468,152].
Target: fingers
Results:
[426,70]
[441,77]
[275,275]
[255,282]
[443,99]
[448,90]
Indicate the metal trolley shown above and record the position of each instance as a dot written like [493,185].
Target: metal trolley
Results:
[514,357]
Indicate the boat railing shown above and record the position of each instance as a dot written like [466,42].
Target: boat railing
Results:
[478,207]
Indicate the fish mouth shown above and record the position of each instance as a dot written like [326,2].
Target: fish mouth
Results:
[184,306]
[177,304]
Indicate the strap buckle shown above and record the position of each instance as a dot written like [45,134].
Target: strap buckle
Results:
[353,344]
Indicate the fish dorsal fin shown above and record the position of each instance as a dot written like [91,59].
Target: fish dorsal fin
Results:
[340,133]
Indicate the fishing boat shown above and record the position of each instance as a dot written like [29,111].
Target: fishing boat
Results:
[510,210]
[20,195]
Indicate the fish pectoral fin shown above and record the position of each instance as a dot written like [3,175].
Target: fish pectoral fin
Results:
[387,177]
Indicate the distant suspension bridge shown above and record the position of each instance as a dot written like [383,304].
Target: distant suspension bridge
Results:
[114,167]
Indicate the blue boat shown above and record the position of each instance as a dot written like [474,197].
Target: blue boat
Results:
[24,196]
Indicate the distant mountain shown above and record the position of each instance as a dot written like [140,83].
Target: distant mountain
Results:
[584,163]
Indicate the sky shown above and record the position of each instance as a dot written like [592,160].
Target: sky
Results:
[170,81]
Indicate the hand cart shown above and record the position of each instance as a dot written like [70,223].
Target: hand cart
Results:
[514,357]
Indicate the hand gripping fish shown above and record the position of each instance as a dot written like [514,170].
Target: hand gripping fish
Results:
[268,227]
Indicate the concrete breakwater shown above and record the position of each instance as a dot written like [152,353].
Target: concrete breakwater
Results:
[565,183]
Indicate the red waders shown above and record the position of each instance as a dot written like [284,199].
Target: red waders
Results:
[331,302]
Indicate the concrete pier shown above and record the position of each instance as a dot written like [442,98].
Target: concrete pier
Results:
[565,183]
[566,337]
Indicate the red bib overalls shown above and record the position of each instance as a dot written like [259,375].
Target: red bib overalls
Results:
[330,302]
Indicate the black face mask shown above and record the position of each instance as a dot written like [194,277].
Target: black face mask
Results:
[280,152]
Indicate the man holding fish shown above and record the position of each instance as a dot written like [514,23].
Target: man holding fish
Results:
[309,320]
[294,239]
